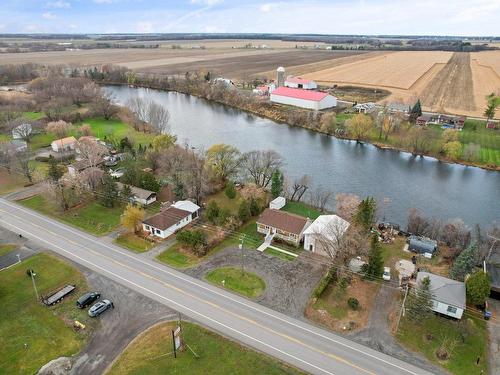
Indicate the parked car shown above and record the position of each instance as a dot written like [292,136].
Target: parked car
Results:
[387,274]
[87,299]
[100,307]
[117,173]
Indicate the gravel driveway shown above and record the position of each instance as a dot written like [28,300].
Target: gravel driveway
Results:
[289,284]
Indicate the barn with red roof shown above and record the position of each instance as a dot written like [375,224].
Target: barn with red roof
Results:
[310,99]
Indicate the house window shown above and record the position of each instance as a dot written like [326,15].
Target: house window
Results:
[452,310]
[147,227]
[158,231]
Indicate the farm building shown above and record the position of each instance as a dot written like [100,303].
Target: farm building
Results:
[448,296]
[264,90]
[323,233]
[282,225]
[398,108]
[300,83]
[422,245]
[169,221]
[364,107]
[140,196]
[303,98]
[280,76]
[81,165]
[64,144]
[277,203]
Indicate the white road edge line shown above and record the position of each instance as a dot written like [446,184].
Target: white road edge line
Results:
[92,238]
[172,301]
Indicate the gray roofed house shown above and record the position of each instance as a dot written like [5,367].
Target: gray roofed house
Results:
[448,296]
[141,196]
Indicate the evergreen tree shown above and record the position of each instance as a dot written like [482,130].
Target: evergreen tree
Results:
[465,262]
[230,190]
[365,215]
[375,266]
[212,212]
[149,182]
[125,144]
[244,211]
[54,172]
[108,191]
[179,190]
[416,111]
[419,301]
[126,192]
[478,287]
[254,207]
[276,183]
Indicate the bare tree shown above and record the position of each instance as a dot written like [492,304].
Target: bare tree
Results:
[59,128]
[299,187]
[103,107]
[419,140]
[417,223]
[150,112]
[22,163]
[22,128]
[6,155]
[91,152]
[456,234]
[320,198]
[260,166]
[346,205]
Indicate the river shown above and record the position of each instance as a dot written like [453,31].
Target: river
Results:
[436,188]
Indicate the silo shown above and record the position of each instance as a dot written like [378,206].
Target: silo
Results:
[280,76]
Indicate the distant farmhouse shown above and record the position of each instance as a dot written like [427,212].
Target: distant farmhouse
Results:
[450,122]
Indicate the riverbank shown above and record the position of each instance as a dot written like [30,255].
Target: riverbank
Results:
[297,117]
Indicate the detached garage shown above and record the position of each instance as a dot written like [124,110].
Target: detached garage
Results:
[310,99]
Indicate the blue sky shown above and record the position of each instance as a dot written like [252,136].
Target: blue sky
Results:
[424,17]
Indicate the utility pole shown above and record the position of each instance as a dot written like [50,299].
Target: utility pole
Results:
[32,274]
[402,308]
[495,239]
[242,254]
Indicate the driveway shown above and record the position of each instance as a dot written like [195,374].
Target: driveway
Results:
[289,284]
[377,334]
[133,313]
[494,335]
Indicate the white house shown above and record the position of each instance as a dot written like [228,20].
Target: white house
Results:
[22,131]
[448,296]
[300,83]
[277,203]
[64,144]
[141,196]
[169,221]
[310,99]
[323,233]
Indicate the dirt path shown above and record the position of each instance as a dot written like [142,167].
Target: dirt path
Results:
[378,333]
[452,87]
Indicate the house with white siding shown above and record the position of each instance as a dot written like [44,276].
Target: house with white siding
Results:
[322,235]
[448,296]
[310,99]
[172,219]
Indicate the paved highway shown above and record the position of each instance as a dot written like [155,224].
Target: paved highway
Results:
[300,344]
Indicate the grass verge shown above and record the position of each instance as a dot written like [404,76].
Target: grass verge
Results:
[279,254]
[463,340]
[217,355]
[133,242]
[302,209]
[92,217]
[47,331]
[242,282]
[176,258]
[5,249]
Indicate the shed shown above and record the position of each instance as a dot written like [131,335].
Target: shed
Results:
[300,83]
[277,203]
[422,245]
[142,196]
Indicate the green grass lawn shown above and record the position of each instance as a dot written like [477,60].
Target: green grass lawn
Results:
[91,217]
[10,182]
[47,331]
[117,129]
[224,202]
[135,243]
[465,340]
[242,282]
[41,140]
[301,209]
[5,249]
[34,115]
[175,258]
[252,239]
[279,254]
[217,355]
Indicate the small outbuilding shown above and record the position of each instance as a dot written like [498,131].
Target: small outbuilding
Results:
[277,203]
[448,296]
[310,99]
[140,196]
[422,245]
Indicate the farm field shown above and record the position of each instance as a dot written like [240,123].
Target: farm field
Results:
[396,69]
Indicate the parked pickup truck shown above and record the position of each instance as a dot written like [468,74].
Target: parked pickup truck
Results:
[56,297]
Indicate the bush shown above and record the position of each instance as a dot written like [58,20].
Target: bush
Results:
[195,240]
[244,211]
[43,159]
[353,303]
[212,212]
[255,208]
[230,190]
[325,281]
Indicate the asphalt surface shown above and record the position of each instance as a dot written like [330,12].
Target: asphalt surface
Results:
[298,343]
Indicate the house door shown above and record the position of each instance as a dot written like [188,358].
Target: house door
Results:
[311,247]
